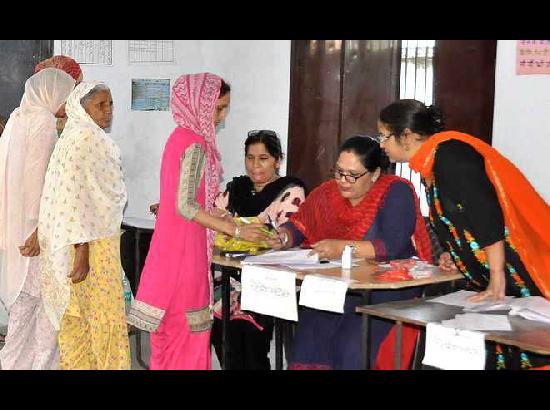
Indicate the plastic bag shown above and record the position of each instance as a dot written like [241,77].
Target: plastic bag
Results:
[228,243]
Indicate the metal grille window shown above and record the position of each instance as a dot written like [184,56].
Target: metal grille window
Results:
[416,82]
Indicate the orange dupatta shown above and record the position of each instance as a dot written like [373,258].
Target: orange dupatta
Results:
[526,213]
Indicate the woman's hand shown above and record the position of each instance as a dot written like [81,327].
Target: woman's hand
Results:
[280,239]
[81,265]
[252,233]
[31,247]
[495,291]
[328,248]
[154,209]
[446,263]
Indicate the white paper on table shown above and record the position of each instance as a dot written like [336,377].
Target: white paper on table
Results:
[308,266]
[478,321]
[269,292]
[532,308]
[324,293]
[454,349]
[460,298]
[300,257]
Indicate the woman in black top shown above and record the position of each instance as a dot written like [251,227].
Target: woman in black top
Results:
[488,231]
[272,198]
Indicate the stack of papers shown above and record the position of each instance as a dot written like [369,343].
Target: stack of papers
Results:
[532,308]
[478,321]
[293,259]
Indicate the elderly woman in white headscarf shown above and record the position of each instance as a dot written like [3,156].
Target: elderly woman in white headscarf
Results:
[25,148]
[79,231]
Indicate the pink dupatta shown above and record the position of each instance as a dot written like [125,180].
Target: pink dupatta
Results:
[193,103]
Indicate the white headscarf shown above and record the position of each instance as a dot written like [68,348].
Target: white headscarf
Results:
[25,148]
[83,199]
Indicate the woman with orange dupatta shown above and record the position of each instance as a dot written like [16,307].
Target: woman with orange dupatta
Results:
[488,217]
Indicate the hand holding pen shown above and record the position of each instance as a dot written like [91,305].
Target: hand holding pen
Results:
[280,238]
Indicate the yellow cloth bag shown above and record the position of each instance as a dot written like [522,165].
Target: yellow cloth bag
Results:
[229,244]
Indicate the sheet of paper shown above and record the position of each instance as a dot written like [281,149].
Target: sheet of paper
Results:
[269,292]
[152,51]
[323,293]
[453,349]
[478,321]
[309,266]
[460,298]
[300,257]
[89,51]
[532,308]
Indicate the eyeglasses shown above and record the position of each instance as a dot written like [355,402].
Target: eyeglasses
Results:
[380,138]
[352,179]
[254,133]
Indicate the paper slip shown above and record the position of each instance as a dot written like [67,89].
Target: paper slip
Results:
[269,292]
[478,321]
[460,298]
[324,293]
[453,349]
[532,308]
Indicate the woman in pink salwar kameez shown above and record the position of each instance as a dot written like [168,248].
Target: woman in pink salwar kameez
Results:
[174,298]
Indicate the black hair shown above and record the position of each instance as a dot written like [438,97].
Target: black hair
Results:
[270,140]
[368,150]
[225,88]
[414,115]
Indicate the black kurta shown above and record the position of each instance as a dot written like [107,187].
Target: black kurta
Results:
[466,216]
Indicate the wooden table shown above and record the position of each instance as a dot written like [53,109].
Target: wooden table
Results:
[138,225]
[527,335]
[363,278]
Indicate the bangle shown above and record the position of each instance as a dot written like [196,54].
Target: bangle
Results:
[237,233]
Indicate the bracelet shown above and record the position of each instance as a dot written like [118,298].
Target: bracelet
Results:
[237,233]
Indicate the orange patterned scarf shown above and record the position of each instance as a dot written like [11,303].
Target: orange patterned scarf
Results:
[526,213]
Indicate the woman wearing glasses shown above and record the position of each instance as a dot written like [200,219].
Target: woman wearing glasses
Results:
[486,214]
[263,193]
[379,215]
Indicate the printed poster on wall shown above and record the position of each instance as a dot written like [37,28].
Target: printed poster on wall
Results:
[533,57]
[150,95]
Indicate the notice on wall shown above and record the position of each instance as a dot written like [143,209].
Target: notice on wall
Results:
[151,51]
[150,95]
[454,349]
[89,51]
[269,292]
[533,57]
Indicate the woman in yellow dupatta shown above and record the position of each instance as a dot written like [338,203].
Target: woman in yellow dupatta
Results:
[79,231]
[487,215]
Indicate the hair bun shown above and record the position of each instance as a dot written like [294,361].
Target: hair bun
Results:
[435,114]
